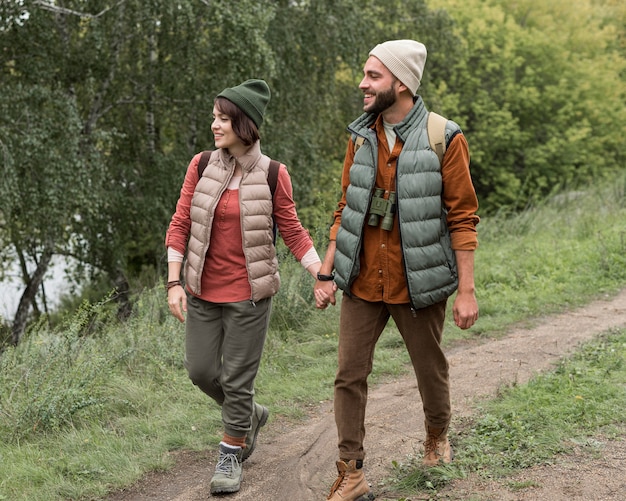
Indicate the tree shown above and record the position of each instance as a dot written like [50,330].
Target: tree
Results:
[537,103]
[140,77]
[45,184]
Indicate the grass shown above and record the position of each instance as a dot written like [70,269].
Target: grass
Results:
[529,425]
[94,404]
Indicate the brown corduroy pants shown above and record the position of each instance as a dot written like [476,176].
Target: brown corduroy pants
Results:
[361,324]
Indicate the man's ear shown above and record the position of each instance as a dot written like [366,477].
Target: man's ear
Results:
[401,87]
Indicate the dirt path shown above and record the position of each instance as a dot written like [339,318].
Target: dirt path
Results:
[296,463]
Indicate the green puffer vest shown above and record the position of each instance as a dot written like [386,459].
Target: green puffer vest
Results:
[429,261]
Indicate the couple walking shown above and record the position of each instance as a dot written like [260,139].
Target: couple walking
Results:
[402,242]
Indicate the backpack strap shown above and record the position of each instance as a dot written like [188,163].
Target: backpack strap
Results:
[204,161]
[272,180]
[272,176]
[436,127]
[358,142]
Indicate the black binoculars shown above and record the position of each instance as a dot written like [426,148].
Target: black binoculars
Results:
[385,208]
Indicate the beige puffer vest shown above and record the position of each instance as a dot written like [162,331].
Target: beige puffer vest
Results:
[256,207]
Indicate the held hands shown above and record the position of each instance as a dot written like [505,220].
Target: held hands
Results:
[324,289]
[177,301]
[324,292]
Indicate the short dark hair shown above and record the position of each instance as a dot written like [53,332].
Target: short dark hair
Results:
[243,125]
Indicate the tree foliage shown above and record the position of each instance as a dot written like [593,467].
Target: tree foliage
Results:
[45,183]
[539,92]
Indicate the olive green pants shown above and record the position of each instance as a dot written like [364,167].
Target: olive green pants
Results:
[223,348]
[361,324]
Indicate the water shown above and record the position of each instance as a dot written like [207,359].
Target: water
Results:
[55,282]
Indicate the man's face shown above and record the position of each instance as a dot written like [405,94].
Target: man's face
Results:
[378,86]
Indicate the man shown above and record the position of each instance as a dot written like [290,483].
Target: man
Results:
[402,242]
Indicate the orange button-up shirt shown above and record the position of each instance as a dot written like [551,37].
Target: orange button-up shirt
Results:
[382,276]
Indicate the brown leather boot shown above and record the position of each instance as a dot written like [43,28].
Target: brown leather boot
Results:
[350,484]
[436,446]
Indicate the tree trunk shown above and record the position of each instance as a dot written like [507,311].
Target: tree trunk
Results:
[122,290]
[28,297]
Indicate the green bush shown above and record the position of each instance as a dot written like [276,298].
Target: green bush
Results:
[54,379]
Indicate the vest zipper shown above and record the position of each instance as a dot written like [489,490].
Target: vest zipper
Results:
[207,229]
[406,275]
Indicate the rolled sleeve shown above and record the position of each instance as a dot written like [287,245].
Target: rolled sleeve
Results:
[459,195]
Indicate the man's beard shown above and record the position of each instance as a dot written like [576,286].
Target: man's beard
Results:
[382,101]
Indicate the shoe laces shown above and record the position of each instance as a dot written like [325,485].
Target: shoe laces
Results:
[227,463]
[430,444]
[339,483]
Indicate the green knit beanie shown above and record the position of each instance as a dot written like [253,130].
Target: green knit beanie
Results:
[251,96]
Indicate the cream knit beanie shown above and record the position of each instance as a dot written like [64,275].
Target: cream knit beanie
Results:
[405,59]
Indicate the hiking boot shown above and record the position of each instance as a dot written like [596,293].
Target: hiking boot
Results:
[350,484]
[437,447]
[228,470]
[259,418]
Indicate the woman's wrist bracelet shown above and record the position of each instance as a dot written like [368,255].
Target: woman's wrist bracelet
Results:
[171,284]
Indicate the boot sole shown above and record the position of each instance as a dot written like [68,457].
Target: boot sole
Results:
[366,497]
[227,489]
[262,421]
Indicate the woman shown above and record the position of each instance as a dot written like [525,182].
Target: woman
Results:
[223,223]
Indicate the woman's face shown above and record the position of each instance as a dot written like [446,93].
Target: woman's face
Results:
[222,128]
